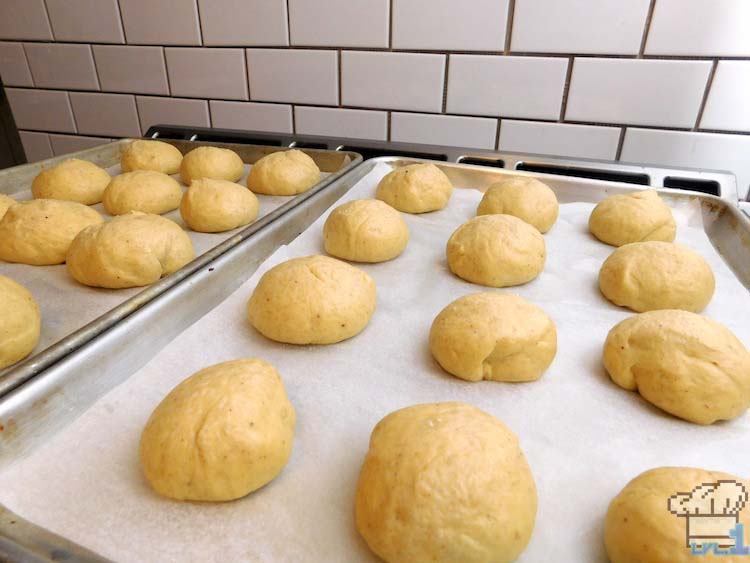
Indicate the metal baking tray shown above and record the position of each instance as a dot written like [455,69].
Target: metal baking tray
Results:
[18,179]
[46,404]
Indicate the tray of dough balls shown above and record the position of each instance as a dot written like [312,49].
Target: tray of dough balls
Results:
[411,380]
[93,231]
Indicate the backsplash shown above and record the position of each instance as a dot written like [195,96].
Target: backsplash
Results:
[652,81]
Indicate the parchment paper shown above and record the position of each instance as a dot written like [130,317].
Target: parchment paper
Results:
[584,437]
[67,305]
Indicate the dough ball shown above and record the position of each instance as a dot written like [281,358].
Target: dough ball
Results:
[211,162]
[214,206]
[312,300]
[151,155]
[39,232]
[72,180]
[493,336]
[365,230]
[129,251]
[142,190]
[684,363]
[20,322]
[635,217]
[445,482]
[496,251]
[416,188]
[220,434]
[647,521]
[283,173]
[643,276]
[526,198]
[5,203]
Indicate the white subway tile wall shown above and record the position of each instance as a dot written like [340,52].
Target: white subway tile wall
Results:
[606,79]
[66,144]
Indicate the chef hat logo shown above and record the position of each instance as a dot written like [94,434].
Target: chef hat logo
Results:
[723,498]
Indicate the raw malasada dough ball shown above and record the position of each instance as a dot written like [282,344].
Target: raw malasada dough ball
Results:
[496,251]
[365,230]
[211,162]
[416,188]
[312,300]
[493,336]
[129,251]
[523,197]
[5,203]
[445,482]
[635,217]
[647,521]
[151,155]
[20,322]
[72,180]
[220,434]
[39,232]
[644,276]
[142,190]
[283,173]
[214,206]
[684,363]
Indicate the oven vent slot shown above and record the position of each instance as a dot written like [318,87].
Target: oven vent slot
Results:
[481,161]
[693,185]
[371,152]
[591,173]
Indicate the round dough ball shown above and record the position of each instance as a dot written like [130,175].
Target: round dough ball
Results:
[211,162]
[72,180]
[151,155]
[39,232]
[214,206]
[647,521]
[283,173]
[445,482]
[129,251]
[635,217]
[684,363]
[496,251]
[365,230]
[20,322]
[523,197]
[416,188]
[5,203]
[312,300]
[142,190]
[644,276]
[493,336]
[220,434]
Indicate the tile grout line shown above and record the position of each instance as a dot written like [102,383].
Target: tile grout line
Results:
[96,68]
[294,118]
[704,99]
[390,25]
[28,66]
[566,89]
[646,28]
[497,136]
[166,70]
[122,24]
[246,72]
[339,77]
[388,129]
[620,143]
[200,27]
[446,69]
[288,24]
[509,26]
[49,21]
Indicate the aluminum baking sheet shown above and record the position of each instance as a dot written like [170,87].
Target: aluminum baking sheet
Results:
[584,437]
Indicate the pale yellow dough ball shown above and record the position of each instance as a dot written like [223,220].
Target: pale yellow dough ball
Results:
[151,155]
[493,336]
[39,232]
[220,434]
[635,217]
[496,251]
[365,230]
[283,173]
[684,363]
[214,206]
[644,276]
[312,300]
[211,162]
[72,180]
[416,188]
[5,203]
[20,322]
[142,190]
[129,251]
[647,521]
[445,482]
[526,198]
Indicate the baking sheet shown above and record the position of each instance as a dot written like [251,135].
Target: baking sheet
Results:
[584,437]
[81,304]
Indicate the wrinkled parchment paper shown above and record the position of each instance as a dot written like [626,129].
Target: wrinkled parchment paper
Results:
[584,437]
